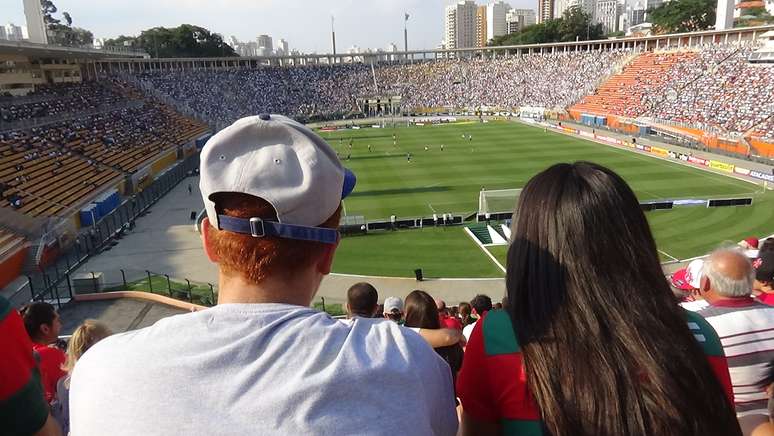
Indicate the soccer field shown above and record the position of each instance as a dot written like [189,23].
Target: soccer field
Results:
[504,155]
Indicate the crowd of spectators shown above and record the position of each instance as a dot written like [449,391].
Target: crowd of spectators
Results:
[222,96]
[716,87]
[125,133]
[49,100]
[548,80]
[545,80]
[712,86]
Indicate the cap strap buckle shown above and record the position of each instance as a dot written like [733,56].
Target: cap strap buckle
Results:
[256,224]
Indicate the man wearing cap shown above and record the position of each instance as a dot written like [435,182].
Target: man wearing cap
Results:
[393,309]
[686,283]
[262,361]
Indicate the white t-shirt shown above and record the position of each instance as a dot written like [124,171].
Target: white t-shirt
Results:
[270,369]
[468,329]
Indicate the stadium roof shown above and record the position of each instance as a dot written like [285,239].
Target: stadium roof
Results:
[54,51]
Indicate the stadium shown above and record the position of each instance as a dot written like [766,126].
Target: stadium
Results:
[101,212]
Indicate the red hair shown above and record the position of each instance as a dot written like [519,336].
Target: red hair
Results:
[255,259]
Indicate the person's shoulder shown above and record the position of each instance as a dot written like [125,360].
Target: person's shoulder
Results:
[386,335]
[498,333]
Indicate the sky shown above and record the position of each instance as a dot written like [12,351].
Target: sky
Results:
[305,24]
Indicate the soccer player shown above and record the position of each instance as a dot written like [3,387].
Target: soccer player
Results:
[408,157]
[369,148]
[426,148]
[441,147]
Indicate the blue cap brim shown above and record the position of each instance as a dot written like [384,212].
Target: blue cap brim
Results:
[349,183]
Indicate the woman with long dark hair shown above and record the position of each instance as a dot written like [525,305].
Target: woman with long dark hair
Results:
[422,312]
[592,342]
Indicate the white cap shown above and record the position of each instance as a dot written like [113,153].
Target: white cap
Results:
[281,161]
[391,303]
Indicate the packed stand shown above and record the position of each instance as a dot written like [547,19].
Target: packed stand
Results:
[545,80]
[549,80]
[717,87]
[49,168]
[50,100]
[222,96]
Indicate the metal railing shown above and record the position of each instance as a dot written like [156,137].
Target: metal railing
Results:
[53,282]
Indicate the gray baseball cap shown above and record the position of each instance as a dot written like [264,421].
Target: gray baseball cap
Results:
[391,303]
[283,162]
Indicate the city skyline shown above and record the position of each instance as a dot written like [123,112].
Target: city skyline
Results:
[306,25]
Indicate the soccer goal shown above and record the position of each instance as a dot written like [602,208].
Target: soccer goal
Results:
[497,201]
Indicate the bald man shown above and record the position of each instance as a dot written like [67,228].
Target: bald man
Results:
[745,327]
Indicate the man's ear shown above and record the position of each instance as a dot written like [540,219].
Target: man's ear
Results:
[207,230]
[705,284]
[325,264]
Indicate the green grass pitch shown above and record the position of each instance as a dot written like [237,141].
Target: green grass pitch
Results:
[504,155]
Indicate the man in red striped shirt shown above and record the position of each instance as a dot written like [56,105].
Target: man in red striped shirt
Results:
[745,328]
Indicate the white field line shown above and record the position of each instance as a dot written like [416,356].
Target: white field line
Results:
[491,256]
[669,255]
[431,207]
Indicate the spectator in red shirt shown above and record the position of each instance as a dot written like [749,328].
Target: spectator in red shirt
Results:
[42,323]
[23,410]
[446,320]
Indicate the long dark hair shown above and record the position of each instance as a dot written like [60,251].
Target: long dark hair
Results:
[422,312]
[606,349]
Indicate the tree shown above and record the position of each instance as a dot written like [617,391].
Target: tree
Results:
[185,40]
[575,24]
[49,9]
[64,34]
[683,16]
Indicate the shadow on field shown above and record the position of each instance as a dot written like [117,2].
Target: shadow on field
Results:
[355,137]
[377,155]
[400,191]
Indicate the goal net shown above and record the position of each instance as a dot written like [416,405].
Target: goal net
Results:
[497,201]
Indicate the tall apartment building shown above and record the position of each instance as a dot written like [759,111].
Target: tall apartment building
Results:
[13,32]
[545,10]
[607,13]
[518,19]
[560,6]
[265,46]
[460,25]
[282,48]
[481,38]
[495,19]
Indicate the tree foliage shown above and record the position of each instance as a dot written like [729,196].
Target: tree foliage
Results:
[683,16]
[185,40]
[575,24]
[63,34]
